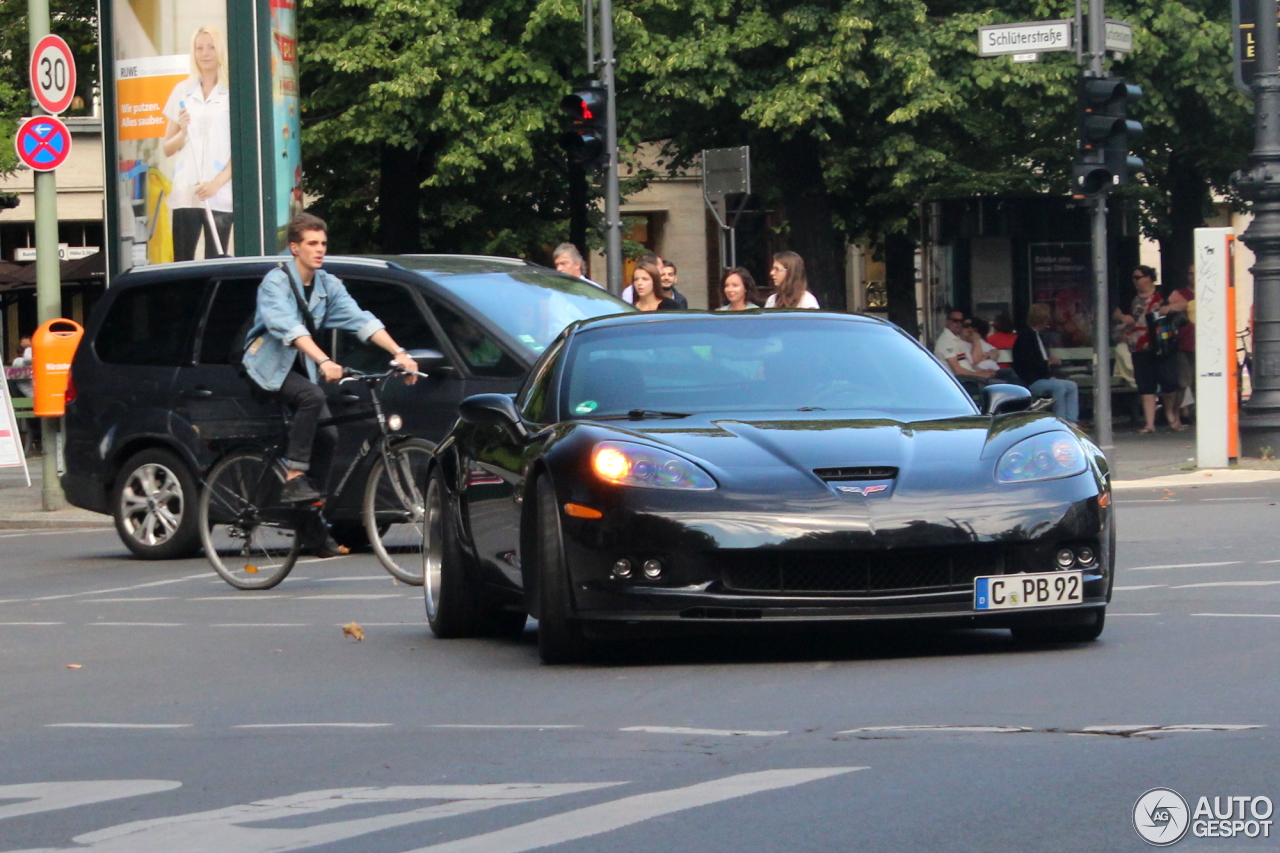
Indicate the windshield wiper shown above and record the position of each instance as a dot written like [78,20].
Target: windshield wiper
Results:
[644,415]
[811,409]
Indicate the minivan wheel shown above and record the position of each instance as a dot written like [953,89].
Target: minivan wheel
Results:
[154,505]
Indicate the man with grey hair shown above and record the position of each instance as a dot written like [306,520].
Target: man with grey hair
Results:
[568,260]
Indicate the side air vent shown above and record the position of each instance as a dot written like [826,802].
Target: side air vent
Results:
[871,472]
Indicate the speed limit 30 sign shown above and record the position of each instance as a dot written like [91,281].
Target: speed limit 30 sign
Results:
[53,74]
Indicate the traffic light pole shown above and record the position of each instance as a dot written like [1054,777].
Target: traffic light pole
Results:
[48,281]
[1260,416]
[1101,296]
[612,194]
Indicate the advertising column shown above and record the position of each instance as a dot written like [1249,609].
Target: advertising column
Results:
[286,116]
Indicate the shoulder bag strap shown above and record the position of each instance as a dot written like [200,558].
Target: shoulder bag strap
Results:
[302,303]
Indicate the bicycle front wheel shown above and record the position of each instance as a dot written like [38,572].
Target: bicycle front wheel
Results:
[249,540]
[394,499]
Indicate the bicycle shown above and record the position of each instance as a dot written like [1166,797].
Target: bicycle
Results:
[252,539]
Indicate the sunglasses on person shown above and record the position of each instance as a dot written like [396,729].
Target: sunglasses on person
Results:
[955,319]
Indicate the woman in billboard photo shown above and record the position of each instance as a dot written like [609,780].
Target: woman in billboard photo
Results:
[198,138]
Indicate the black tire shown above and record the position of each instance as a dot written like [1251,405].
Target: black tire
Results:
[393,508]
[452,607]
[560,637]
[154,505]
[1044,634]
[250,546]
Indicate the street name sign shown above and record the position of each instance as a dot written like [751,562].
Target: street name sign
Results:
[1028,37]
[43,143]
[1118,37]
[53,74]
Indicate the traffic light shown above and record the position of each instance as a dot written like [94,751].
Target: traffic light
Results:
[1106,134]
[587,109]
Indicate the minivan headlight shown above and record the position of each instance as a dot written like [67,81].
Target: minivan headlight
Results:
[625,464]
[1047,456]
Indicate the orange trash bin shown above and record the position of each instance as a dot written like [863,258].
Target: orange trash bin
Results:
[52,348]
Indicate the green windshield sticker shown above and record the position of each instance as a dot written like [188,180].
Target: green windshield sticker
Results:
[586,407]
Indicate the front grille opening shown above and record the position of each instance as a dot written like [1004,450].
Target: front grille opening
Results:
[860,573]
[864,472]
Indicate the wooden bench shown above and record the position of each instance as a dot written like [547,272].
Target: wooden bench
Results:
[1077,365]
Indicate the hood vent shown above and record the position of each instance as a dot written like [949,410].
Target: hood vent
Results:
[865,472]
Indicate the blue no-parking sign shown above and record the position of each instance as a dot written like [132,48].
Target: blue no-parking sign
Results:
[43,143]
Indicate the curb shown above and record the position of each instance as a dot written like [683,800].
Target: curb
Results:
[1213,477]
[57,521]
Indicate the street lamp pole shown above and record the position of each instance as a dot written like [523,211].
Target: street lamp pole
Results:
[1098,221]
[612,194]
[1260,417]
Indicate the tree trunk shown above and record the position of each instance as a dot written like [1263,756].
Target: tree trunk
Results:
[811,233]
[900,281]
[1187,193]
[400,200]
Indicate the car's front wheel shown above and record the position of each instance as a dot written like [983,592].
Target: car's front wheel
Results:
[154,506]
[1085,632]
[560,637]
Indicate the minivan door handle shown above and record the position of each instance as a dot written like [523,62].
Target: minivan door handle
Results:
[349,398]
[199,392]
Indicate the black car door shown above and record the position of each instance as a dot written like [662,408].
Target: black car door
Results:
[496,472]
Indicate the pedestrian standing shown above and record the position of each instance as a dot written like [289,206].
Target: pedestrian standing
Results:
[790,284]
[1153,371]
[651,259]
[1186,341]
[738,290]
[646,285]
[669,278]
[567,259]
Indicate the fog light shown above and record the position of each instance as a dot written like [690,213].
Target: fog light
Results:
[622,569]
[652,569]
[1085,556]
[1066,558]
[394,422]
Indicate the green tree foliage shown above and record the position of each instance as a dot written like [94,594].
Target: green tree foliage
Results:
[75,21]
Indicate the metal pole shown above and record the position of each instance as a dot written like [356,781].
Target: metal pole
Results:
[588,17]
[48,281]
[612,194]
[1098,223]
[1260,417]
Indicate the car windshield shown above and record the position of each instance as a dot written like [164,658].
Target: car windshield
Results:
[533,306]
[755,363]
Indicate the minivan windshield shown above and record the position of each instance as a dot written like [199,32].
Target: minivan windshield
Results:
[533,306]
[755,363]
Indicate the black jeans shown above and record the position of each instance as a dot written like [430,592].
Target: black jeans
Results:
[310,445]
[189,222]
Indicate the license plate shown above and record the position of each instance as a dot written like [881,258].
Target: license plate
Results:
[1012,592]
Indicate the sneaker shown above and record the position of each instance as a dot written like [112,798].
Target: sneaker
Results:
[330,548]
[299,490]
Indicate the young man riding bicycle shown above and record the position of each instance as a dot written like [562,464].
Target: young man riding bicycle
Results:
[283,357]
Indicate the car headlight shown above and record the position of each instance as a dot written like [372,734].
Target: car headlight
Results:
[1041,457]
[625,464]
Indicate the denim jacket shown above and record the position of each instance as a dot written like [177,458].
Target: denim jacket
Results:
[269,352]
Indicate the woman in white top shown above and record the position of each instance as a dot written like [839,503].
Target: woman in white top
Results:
[738,289]
[790,282]
[198,138]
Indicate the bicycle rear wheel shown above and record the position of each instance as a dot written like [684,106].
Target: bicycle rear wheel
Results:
[394,499]
[251,546]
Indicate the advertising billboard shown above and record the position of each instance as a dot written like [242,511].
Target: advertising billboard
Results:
[1062,278]
[172,93]
[286,115]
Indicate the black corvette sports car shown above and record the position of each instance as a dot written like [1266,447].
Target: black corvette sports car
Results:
[760,467]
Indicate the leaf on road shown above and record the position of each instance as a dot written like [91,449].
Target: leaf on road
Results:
[75,666]
[351,629]
[250,570]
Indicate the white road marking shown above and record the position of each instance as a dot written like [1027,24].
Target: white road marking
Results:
[926,728]
[109,600]
[1175,728]
[1144,586]
[312,726]
[681,730]
[237,596]
[1127,501]
[1109,615]
[356,578]
[31,623]
[1220,500]
[1225,583]
[141,624]
[122,588]
[1183,566]
[260,625]
[351,596]
[333,559]
[1242,615]
[220,830]
[1268,562]
[55,532]
[606,817]
[500,726]
[118,725]
[50,796]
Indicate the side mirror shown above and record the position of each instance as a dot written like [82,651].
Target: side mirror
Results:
[494,410]
[429,360]
[1001,399]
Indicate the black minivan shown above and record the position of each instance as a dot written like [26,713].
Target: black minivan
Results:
[154,399]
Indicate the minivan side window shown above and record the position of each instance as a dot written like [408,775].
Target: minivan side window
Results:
[395,306]
[534,400]
[234,302]
[152,324]
[482,353]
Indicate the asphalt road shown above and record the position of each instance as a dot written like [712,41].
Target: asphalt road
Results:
[148,707]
